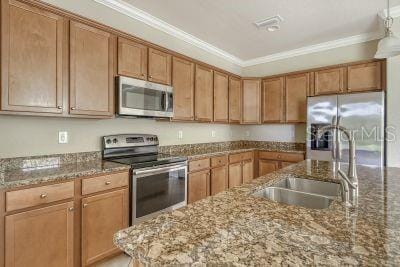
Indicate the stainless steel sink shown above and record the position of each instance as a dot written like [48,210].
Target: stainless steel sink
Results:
[296,198]
[310,186]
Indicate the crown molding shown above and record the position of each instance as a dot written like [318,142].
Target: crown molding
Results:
[129,10]
[394,12]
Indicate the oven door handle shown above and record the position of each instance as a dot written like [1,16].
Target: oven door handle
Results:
[159,170]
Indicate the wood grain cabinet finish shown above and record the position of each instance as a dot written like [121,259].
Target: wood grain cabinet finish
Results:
[329,81]
[267,166]
[365,77]
[203,94]
[159,67]
[40,237]
[219,180]
[198,185]
[235,174]
[248,171]
[251,102]
[33,47]
[132,59]
[183,84]
[102,216]
[221,97]
[235,86]
[91,71]
[273,100]
[296,89]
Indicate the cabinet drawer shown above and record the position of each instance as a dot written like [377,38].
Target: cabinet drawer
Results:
[200,164]
[240,157]
[219,161]
[106,182]
[31,197]
[290,157]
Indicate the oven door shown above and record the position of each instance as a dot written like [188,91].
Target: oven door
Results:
[142,98]
[158,189]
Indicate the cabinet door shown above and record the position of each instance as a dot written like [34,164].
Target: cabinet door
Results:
[219,180]
[203,94]
[251,102]
[365,77]
[159,67]
[91,71]
[267,166]
[248,171]
[273,100]
[297,88]
[286,164]
[235,174]
[198,186]
[32,61]
[183,83]
[40,237]
[329,81]
[102,216]
[234,100]
[221,97]
[132,59]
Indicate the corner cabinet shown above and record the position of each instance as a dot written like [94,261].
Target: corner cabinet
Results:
[251,101]
[33,63]
[297,88]
[203,94]
[183,84]
[221,97]
[273,95]
[91,71]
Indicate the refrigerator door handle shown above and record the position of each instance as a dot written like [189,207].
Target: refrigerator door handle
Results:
[339,146]
[334,135]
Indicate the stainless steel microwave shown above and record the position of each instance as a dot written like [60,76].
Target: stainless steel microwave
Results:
[144,99]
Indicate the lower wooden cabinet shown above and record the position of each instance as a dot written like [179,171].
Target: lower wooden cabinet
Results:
[247,171]
[235,174]
[198,185]
[40,237]
[267,166]
[219,180]
[272,161]
[102,216]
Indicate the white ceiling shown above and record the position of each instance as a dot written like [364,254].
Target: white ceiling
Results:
[228,24]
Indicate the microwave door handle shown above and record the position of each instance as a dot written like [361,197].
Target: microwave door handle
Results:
[166,101]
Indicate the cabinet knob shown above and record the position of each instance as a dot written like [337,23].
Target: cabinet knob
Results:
[43,195]
[85,205]
[150,76]
[108,183]
[72,108]
[59,107]
[71,209]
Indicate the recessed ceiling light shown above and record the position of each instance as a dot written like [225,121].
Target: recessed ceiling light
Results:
[271,24]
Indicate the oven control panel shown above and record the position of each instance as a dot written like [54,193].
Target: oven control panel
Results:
[129,140]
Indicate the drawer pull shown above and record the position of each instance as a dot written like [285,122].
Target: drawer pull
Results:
[279,156]
[71,209]
[85,205]
[43,195]
[108,183]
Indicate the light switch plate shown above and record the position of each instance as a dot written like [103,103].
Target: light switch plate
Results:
[63,137]
[212,133]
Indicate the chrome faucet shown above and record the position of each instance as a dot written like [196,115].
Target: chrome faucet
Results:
[349,181]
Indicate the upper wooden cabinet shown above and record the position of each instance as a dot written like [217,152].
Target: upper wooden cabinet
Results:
[91,71]
[132,59]
[296,90]
[329,81]
[234,100]
[183,84]
[33,47]
[159,66]
[251,102]
[273,100]
[221,97]
[365,77]
[203,94]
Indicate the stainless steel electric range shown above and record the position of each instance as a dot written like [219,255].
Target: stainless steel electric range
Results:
[158,181]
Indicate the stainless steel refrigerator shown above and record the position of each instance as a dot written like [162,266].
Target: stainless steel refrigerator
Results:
[363,114]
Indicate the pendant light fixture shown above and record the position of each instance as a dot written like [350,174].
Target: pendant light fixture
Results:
[388,46]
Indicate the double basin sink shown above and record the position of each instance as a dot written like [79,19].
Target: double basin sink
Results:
[301,192]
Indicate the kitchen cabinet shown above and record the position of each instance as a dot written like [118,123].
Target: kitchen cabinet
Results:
[251,101]
[241,168]
[198,185]
[365,77]
[267,166]
[234,100]
[183,84]
[296,89]
[91,71]
[329,81]
[102,216]
[132,59]
[40,237]
[203,94]
[33,59]
[219,180]
[159,67]
[235,174]
[273,100]
[248,172]
[272,161]
[221,97]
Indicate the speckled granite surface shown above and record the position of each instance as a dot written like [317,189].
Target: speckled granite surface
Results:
[17,172]
[234,228]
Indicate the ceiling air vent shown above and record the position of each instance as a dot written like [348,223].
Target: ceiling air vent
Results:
[271,24]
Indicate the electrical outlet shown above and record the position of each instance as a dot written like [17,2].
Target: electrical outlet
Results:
[180,134]
[63,137]
[212,133]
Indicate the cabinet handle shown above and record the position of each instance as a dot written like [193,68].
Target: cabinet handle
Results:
[150,76]
[279,156]
[85,205]
[71,209]
[72,108]
[59,107]
[43,195]
[108,183]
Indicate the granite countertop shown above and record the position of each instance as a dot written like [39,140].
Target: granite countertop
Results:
[235,228]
